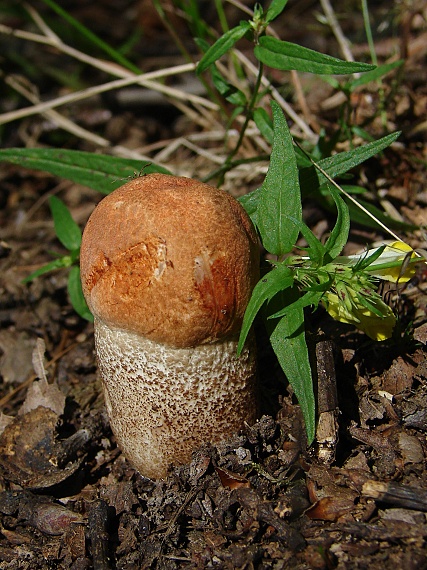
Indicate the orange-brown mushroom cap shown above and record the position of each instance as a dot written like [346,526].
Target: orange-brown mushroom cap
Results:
[170,258]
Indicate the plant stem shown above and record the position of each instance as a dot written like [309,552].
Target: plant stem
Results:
[368,32]
[249,112]
[221,15]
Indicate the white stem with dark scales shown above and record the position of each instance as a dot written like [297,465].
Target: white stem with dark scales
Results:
[164,402]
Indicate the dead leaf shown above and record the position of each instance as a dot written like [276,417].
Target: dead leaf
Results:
[231,480]
[30,454]
[330,508]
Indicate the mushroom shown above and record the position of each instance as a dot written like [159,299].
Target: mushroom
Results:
[168,265]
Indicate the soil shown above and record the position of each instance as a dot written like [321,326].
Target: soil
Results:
[357,498]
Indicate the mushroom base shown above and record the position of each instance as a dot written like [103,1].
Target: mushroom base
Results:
[164,402]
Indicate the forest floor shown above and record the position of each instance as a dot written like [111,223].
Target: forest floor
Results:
[69,499]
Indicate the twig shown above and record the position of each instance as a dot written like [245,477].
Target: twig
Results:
[241,7]
[396,495]
[336,29]
[71,127]
[38,20]
[99,537]
[127,77]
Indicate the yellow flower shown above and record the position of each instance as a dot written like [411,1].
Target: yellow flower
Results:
[376,327]
[395,253]
[388,266]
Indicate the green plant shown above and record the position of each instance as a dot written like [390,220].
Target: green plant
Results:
[270,51]
[70,235]
[345,286]
[292,283]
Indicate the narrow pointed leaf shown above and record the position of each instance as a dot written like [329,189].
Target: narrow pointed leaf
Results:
[375,74]
[66,229]
[339,234]
[334,166]
[101,172]
[344,161]
[286,56]
[51,266]
[365,262]
[316,249]
[222,45]
[267,287]
[264,124]
[359,217]
[75,292]
[287,337]
[309,298]
[275,9]
[280,197]
[250,203]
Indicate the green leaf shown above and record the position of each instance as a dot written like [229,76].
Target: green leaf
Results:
[267,287]
[344,161]
[280,197]
[316,249]
[75,293]
[359,217]
[339,235]
[374,75]
[275,9]
[198,25]
[286,56]
[362,133]
[309,298]
[228,91]
[60,263]
[222,45]
[311,179]
[250,204]
[263,122]
[101,172]
[366,261]
[365,302]
[287,337]
[353,189]
[66,229]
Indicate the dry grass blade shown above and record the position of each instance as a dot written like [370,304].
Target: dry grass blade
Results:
[54,116]
[126,77]
[74,129]
[143,80]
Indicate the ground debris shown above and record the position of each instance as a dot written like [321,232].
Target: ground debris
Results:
[69,500]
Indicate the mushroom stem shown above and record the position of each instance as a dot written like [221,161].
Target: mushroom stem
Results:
[165,402]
